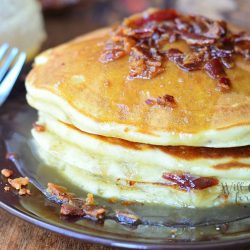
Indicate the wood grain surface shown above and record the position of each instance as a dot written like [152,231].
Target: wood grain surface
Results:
[16,234]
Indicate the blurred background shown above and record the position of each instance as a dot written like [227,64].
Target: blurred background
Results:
[34,25]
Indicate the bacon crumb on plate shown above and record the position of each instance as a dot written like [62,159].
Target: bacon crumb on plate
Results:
[6,172]
[73,206]
[18,183]
[24,191]
[71,210]
[61,193]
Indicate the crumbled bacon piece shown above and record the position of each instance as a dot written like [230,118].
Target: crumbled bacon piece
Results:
[188,62]
[223,84]
[187,181]
[157,16]
[212,46]
[215,29]
[93,211]
[166,101]
[24,191]
[194,39]
[243,48]
[18,183]
[38,127]
[127,217]
[6,172]
[116,48]
[214,68]
[71,210]
[227,62]
[111,55]
[72,206]
[144,65]
[59,192]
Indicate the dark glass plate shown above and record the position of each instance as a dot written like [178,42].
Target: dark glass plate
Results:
[162,227]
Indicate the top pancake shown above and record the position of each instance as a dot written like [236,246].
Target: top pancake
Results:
[71,84]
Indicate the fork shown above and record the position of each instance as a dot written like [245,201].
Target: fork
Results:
[11,63]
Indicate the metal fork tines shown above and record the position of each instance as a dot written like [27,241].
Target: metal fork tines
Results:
[11,63]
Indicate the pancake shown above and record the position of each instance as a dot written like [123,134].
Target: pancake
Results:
[156,110]
[143,162]
[137,172]
[72,85]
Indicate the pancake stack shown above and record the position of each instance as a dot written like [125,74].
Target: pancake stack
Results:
[155,110]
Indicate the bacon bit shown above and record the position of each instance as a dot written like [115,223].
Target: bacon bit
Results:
[158,16]
[194,39]
[243,48]
[7,188]
[72,206]
[24,191]
[126,217]
[212,46]
[242,38]
[11,156]
[143,65]
[187,181]
[166,101]
[6,172]
[116,48]
[215,29]
[70,210]
[38,127]
[189,62]
[223,84]
[111,55]
[93,211]
[214,68]
[18,183]
[59,192]
[227,62]
[90,199]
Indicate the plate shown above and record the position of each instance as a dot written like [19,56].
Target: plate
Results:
[161,228]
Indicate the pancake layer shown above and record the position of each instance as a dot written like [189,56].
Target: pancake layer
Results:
[132,171]
[100,99]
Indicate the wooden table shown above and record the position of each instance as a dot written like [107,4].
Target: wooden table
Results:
[15,233]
